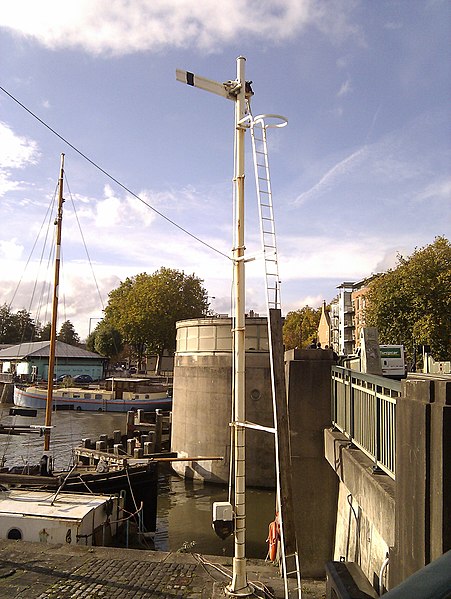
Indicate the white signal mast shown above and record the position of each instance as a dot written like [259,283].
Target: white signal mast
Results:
[239,91]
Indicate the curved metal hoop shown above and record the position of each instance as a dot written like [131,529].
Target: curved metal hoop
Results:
[261,118]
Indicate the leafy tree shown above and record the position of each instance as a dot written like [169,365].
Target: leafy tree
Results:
[16,328]
[411,304]
[145,309]
[301,327]
[25,326]
[7,325]
[67,334]
[90,341]
[107,340]
[44,334]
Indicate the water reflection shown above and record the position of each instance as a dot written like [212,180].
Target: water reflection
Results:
[185,518]
[68,428]
[184,506]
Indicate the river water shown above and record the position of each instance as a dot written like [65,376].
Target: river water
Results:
[184,506]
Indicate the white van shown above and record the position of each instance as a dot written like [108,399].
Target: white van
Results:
[393,360]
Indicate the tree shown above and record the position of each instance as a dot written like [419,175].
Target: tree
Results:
[7,325]
[106,340]
[301,327]
[411,304]
[44,334]
[145,309]
[25,325]
[16,328]
[91,341]
[67,334]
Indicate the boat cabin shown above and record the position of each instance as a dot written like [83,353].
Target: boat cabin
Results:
[72,518]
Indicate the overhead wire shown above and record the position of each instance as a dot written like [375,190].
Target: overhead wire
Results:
[107,174]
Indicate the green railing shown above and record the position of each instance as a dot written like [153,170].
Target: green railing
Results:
[364,409]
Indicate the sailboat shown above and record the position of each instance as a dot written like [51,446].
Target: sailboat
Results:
[40,498]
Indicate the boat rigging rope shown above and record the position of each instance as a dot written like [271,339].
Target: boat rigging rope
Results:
[131,489]
[84,243]
[47,218]
[107,174]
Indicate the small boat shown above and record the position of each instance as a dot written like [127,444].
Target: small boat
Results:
[93,400]
[59,518]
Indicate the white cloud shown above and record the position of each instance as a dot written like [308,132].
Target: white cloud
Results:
[6,183]
[393,25]
[345,88]
[16,151]
[337,172]
[319,257]
[122,27]
[440,190]
[10,249]
[314,301]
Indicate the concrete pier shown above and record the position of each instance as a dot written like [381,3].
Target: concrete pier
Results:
[41,571]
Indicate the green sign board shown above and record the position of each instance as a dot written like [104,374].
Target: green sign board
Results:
[390,352]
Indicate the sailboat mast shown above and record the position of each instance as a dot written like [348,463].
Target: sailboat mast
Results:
[52,353]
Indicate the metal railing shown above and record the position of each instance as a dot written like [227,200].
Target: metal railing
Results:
[364,409]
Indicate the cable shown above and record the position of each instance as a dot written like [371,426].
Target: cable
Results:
[255,586]
[107,174]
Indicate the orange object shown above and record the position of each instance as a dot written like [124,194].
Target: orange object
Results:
[273,538]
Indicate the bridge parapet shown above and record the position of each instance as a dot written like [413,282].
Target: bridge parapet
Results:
[403,430]
[364,410]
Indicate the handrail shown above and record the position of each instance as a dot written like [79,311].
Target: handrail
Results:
[364,410]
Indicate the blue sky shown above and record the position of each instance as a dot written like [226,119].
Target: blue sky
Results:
[362,171]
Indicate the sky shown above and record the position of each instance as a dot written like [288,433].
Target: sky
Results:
[361,173]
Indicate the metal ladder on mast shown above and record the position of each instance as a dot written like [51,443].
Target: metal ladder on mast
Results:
[265,207]
[290,563]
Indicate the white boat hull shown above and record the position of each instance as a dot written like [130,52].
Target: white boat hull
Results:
[70,518]
[89,400]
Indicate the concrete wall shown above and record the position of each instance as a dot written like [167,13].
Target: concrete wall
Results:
[365,528]
[202,400]
[409,519]
[423,475]
[315,485]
